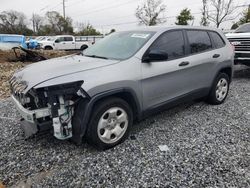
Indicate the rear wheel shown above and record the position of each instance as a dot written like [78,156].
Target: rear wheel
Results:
[219,90]
[48,48]
[110,123]
[83,47]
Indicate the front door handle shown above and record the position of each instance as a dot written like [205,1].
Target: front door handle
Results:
[216,55]
[184,63]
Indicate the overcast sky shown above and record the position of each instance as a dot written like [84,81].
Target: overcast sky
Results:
[107,14]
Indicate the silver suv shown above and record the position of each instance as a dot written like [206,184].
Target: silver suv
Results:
[123,78]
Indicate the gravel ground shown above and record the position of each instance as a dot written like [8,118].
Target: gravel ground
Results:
[207,146]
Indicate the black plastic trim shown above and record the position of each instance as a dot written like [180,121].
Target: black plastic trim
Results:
[176,101]
[105,94]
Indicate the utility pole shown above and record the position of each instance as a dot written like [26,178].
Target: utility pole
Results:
[64,9]
[248,13]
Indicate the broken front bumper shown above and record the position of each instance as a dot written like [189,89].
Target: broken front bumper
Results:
[31,115]
[29,123]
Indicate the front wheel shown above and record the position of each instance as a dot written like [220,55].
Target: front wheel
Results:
[110,123]
[219,90]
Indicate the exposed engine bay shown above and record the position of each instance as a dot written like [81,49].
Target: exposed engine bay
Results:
[49,108]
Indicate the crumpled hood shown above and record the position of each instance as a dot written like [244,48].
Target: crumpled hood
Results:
[37,73]
[238,35]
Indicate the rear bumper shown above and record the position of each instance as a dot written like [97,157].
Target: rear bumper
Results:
[30,115]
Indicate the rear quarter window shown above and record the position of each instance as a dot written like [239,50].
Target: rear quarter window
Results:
[217,39]
[199,41]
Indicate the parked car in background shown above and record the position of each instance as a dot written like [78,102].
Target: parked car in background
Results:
[64,42]
[41,38]
[9,41]
[240,39]
[124,77]
[91,39]
[227,31]
[32,44]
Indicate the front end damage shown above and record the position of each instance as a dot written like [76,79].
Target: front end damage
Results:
[47,109]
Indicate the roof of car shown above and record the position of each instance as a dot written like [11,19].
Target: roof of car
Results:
[165,28]
[64,36]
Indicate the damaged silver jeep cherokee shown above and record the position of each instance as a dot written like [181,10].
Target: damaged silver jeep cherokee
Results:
[124,77]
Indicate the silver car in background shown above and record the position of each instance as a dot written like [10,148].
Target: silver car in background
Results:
[121,79]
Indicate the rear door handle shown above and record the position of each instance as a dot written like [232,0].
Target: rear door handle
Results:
[184,63]
[216,55]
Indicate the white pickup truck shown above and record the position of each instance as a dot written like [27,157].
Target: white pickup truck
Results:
[64,42]
[240,39]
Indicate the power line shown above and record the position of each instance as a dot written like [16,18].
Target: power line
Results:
[132,22]
[75,3]
[47,7]
[117,18]
[98,10]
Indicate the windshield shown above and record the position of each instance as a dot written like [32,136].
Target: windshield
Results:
[243,29]
[51,38]
[121,45]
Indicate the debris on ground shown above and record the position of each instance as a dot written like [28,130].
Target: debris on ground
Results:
[25,55]
[164,148]
[1,185]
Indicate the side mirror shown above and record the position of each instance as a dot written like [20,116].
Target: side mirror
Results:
[155,55]
[57,41]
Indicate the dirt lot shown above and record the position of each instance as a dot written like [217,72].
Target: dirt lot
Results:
[8,67]
[206,146]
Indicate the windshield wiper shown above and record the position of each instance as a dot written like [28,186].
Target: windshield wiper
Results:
[96,56]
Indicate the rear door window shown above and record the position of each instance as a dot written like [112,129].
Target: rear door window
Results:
[172,43]
[68,39]
[199,41]
[218,41]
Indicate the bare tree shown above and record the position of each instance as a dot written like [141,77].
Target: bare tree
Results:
[204,18]
[149,12]
[13,22]
[222,10]
[36,22]
[58,24]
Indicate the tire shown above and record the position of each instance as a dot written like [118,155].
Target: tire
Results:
[84,47]
[219,90]
[48,48]
[105,130]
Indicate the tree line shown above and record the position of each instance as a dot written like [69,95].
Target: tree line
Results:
[14,22]
[212,12]
[148,13]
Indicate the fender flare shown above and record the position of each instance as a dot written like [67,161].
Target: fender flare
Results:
[88,108]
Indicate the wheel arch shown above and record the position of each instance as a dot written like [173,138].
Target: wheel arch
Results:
[126,94]
[228,71]
[84,46]
[48,46]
